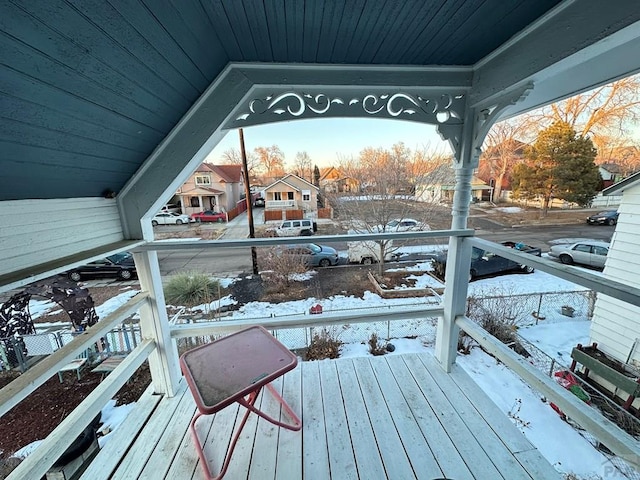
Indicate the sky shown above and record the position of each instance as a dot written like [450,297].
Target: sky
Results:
[327,139]
[556,335]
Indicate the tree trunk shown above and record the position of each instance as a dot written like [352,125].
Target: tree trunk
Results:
[545,206]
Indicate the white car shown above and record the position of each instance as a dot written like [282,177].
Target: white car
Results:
[170,218]
[405,225]
[590,252]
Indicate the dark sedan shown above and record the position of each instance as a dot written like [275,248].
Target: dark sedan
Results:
[119,265]
[609,217]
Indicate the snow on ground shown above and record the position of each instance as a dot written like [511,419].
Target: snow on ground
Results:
[555,335]
[509,209]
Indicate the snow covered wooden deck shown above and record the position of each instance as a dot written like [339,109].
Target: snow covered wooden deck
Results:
[395,416]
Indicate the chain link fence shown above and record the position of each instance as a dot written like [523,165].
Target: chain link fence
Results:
[598,400]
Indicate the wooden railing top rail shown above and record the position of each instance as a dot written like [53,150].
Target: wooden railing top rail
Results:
[362,316]
[271,241]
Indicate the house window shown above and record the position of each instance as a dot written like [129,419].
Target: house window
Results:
[306,195]
[203,180]
[277,196]
[289,195]
[195,202]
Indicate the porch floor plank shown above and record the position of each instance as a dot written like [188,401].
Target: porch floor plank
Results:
[395,416]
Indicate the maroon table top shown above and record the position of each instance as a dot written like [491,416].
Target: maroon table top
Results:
[230,368]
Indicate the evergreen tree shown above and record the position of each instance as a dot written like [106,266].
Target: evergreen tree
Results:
[316,176]
[560,164]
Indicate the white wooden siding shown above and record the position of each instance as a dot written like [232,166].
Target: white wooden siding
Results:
[616,325]
[37,231]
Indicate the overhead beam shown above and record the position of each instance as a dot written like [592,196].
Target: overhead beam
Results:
[574,37]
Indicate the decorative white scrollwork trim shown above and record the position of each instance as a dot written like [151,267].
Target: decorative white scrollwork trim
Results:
[438,109]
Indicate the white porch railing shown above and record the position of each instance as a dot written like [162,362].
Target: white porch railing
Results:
[156,333]
[276,204]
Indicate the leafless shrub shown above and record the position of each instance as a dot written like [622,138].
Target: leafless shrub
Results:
[500,313]
[323,345]
[278,269]
[375,346]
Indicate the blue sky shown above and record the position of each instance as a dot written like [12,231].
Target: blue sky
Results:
[325,139]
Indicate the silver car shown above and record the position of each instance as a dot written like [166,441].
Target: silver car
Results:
[591,252]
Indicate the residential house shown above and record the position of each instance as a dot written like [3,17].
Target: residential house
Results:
[212,187]
[332,180]
[611,173]
[109,107]
[495,167]
[292,193]
[615,325]
[438,186]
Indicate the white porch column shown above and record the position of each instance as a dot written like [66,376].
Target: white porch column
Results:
[154,324]
[457,274]
[459,253]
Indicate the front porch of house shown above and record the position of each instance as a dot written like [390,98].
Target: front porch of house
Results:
[394,416]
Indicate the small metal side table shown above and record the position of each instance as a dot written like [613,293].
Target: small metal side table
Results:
[234,369]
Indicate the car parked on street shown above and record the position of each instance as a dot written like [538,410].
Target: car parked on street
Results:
[312,254]
[118,265]
[258,202]
[209,216]
[488,263]
[609,217]
[592,253]
[295,228]
[405,225]
[170,218]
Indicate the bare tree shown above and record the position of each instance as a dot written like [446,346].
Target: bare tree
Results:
[386,179]
[502,152]
[232,156]
[604,114]
[270,161]
[303,166]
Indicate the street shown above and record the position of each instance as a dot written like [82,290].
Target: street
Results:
[233,261]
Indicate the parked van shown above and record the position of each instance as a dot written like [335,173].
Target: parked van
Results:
[295,228]
[368,251]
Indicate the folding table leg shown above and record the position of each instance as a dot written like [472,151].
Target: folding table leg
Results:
[249,405]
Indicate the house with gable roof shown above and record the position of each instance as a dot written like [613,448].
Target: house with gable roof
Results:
[212,187]
[332,180]
[292,193]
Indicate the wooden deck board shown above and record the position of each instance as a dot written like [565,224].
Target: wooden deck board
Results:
[108,459]
[414,442]
[442,447]
[289,457]
[368,461]
[488,440]
[469,446]
[315,459]
[397,416]
[395,460]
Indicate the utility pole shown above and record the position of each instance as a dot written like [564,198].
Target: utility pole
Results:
[247,198]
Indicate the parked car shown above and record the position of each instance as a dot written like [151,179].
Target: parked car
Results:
[295,228]
[591,252]
[170,218]
[312,254]
[405,225]
[209,216]
[170,208]
[609,217]
[488,263]
[258,202]
[119,265]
